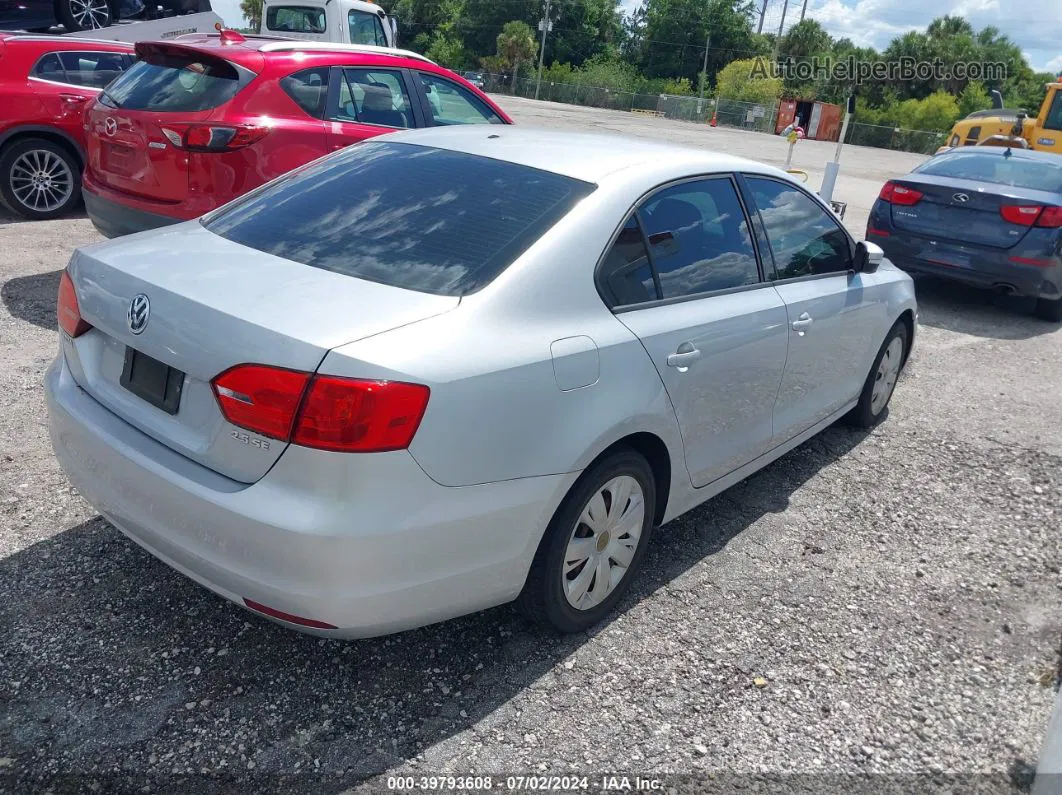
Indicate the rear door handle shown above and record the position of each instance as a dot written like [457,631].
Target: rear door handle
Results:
[684,356]
[801,324]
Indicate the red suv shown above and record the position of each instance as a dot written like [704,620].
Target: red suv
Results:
[45,84]
[203,119]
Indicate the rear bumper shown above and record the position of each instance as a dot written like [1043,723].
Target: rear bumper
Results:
[368,544]
[114,219]
[1025,280]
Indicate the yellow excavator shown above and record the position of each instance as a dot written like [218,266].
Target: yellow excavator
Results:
[1012,127]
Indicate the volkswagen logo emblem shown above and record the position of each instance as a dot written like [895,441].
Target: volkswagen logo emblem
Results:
[961,198]
[139,310]
[110,126]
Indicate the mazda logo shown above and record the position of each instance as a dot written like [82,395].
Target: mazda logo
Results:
[139,310]
[110,126]
[961,198]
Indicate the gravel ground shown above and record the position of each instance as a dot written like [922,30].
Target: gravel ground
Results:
[885,606]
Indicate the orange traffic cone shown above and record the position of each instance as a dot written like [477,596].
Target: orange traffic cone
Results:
[714,121]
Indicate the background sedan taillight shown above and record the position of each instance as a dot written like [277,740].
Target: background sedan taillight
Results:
[326,412]
[898,194]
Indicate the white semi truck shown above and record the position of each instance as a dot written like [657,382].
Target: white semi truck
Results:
[346,21]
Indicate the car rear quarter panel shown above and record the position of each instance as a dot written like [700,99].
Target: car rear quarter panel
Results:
[497,409]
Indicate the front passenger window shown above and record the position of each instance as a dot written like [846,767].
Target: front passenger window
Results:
[805,239]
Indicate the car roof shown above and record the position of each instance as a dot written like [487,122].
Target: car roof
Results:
[1001,151]
[251,51]
[590,157]
[48,43]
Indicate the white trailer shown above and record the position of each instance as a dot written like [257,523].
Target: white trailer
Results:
[133,31]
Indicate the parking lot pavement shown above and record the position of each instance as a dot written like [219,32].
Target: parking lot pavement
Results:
[863,170]
[886,604]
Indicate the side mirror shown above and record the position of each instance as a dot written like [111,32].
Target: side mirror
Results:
[868,257]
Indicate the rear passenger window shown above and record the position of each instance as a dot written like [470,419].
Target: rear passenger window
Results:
[309,89]
[804,237]
[699,238]
[626,276]
[374,96]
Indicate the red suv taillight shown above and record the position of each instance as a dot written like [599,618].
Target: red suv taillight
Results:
[214,137]
[68,311]
[898,194]
[323,411]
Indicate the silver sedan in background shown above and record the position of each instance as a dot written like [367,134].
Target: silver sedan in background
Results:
[462,366]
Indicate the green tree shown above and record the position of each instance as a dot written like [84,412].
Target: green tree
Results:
[516,44]
[448,50]
[252,12]
[674,33]
[973,98]
[584,29]
[748,81]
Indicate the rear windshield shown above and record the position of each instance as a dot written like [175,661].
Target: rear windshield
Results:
[416,217]
[173,82]
[1015,171]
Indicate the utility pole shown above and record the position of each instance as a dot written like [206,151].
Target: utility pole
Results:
[545,25]
[785,7]
[704,69]
[804,10]
[763,12]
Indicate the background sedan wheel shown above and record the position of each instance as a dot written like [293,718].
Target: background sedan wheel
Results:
[880,384]
[85,14]
[39,179]
[594,545]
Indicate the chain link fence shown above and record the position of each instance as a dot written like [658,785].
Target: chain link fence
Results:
[921,142]
[728,112]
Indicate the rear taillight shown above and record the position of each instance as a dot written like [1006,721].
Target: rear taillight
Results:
[1021,214]
[1051,218]
[898,194]
[214,137]
[68,311]
[322,411]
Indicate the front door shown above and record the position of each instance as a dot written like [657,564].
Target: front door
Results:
[830,319]
[714,329]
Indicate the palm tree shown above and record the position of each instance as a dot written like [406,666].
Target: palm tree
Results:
[252,10]
[516,43]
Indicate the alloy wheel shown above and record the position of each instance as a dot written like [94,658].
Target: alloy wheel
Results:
[41,180]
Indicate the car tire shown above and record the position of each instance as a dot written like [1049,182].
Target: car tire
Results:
[881,382]
[30,162]
[563,588]
[79,15]
[1050,310]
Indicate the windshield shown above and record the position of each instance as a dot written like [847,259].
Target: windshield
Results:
[366,28]
[408,216]
[176,82]
[993,166]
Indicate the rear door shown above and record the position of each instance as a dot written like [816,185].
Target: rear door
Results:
[67,81]
[365,102]
[714,329]
[831,318]
[130,127]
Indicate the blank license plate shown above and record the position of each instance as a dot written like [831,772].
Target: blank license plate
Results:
[149,379]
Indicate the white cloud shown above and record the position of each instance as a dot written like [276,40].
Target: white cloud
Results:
[1034,25]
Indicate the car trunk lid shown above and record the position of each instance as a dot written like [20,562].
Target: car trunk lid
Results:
[964,211]
[214,304]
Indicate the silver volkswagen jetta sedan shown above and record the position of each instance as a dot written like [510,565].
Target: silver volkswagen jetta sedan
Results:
[452,368]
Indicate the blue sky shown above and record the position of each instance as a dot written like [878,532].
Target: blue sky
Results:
[1035,25]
